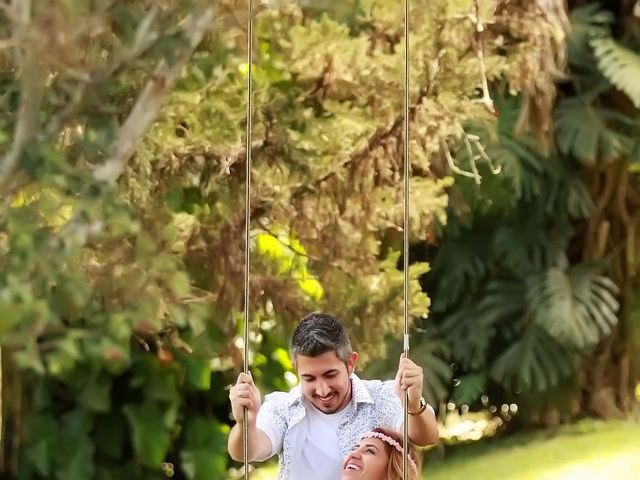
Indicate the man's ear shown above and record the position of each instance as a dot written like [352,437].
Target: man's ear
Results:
[351,362]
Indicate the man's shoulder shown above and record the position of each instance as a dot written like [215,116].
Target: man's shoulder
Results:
[375,384]
[277,396]
[282,399]
[378,404]
[377,391]
[378,386]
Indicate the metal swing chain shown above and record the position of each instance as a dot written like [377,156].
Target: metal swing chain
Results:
[406,167]
[247,221]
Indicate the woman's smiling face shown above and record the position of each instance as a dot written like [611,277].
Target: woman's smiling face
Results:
[368,460]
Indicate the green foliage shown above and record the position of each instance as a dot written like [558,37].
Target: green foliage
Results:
[563,313]
[151,438]
[584,127]
[619,65]
[518,297]
[515,316]
[584,131]
[576,306]
[469,388]
[470,330]
[204,452]
[534,362]
[289,257]
[587,22]
[59,448]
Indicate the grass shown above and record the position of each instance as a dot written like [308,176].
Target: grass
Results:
[584,451]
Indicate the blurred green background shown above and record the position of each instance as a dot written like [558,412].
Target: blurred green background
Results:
[122,128]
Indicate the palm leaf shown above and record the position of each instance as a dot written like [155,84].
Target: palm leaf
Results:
[534,362]
[470,329]
[469,338]
[576,306]
[461,260]
[587,22]
[520,165]
[470,388]
[432,352]
[524,242]
[620,66]
[428,350]
[634,158]
[581,130]
[579,201]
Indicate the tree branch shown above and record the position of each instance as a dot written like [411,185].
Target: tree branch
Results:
[151,100]
[478,45]
[454,168]
[31,90]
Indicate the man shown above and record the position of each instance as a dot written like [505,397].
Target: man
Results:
[313,426]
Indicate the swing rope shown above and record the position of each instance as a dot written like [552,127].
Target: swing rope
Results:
[405,229]
[406,166]
[247,221]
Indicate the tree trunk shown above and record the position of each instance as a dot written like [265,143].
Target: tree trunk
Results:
[12,415]
[613,370]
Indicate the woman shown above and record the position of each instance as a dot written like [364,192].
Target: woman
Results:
[379,456]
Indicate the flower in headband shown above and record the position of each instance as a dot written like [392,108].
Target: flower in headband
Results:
[394,443]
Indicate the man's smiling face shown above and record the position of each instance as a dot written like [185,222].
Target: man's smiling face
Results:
[325,380]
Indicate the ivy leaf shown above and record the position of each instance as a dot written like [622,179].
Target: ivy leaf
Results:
[74,453]
[204,454]
[96,394]
[111,429]
[44,431]
[62,359]
[202,464]
[150,436]
[198,372]
[158,382]
[39,456]
[179,284]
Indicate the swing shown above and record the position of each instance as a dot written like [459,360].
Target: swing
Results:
[405,229]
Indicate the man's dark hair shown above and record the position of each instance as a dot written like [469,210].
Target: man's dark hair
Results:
[318,333]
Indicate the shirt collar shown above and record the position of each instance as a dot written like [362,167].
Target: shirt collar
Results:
[359,393]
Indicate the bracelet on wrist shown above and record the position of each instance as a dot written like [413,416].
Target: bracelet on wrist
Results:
[421,408]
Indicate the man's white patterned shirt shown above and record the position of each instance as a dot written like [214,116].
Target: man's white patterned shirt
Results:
[373,404]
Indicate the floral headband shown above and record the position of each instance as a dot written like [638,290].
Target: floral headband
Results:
[393,443]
